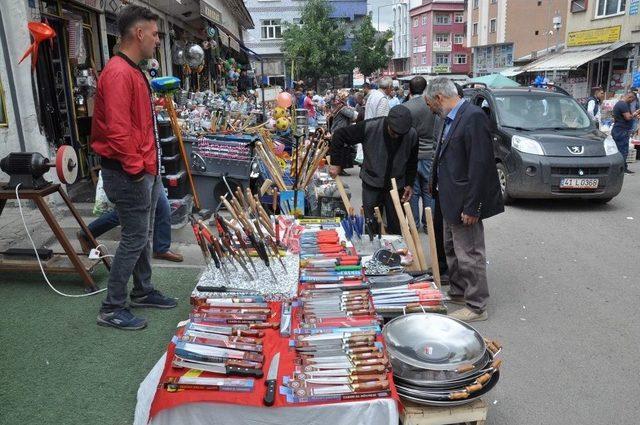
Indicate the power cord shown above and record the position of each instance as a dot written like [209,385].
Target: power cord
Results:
[24,222]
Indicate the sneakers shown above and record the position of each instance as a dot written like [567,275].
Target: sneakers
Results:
[455,299]
[122,319]
[153,299]
[467,315]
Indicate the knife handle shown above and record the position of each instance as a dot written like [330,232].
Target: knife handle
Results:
[371,386]
[244,371]
[270,394]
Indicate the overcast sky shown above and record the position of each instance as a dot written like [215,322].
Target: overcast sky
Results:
[386,13]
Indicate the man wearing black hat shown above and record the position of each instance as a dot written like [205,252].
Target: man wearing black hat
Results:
[390,147]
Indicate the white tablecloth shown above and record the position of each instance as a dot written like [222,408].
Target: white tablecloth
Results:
[373,412]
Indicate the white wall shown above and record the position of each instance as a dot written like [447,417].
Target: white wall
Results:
[14,23]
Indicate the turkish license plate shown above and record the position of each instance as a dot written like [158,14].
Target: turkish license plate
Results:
[570,183]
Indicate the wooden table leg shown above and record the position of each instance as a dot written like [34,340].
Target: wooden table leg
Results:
[82,224]
[64,241]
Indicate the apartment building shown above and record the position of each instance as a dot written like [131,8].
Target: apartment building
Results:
[438,38]
[501,31]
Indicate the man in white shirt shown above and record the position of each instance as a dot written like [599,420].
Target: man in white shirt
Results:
[593,105]
[378,100]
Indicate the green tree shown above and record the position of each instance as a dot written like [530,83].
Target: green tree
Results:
[370,51]
[316,44]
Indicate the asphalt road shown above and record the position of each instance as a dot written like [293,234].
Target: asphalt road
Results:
[565,303]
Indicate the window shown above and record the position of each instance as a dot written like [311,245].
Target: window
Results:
[415,41]
[442,58]
[610,7]
[476,4]
[578,6]
[492,25]
[494,1]
[442,37]
[475,28]
[442,19]
[415,22]
[424,59]
[539,2]
[458,39]
[3,109]
[424,19]
[424,39]
[271,29]
[460,59]
[458,18]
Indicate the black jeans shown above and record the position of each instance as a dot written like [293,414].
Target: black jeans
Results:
[375,197]
[135,203]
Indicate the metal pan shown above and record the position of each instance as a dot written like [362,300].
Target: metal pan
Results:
[437,401]
[433,341]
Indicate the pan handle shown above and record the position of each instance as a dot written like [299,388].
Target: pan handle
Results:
[483,379]
[465,368]
[473,388]
[458,395]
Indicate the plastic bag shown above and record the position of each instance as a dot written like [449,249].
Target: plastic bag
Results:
[102,203]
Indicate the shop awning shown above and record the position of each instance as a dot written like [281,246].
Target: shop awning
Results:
[571,58]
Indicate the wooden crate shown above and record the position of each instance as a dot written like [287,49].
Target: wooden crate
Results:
[474,413]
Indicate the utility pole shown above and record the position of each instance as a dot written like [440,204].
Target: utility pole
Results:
[557,24]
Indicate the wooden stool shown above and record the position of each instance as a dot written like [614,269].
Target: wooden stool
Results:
[415,414]
[59,263]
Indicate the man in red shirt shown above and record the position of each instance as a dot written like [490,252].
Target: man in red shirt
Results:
[311,109]
[124,135]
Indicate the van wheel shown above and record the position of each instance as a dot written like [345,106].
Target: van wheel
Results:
[502,178]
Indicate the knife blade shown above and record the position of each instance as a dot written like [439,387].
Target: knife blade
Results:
[271,381]
[222,368]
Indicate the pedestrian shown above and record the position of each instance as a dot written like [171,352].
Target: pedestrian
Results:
[342,115]
[623,125]
[465,180]
[423,122]
[161,230]
[311,109]
[245,83]
[394,100]
[360,102]
[635,106]
[594,103]
[124,136]
[378,100]
[351,101]
[390,146]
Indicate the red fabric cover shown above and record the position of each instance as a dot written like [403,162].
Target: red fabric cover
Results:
[122,128]
[272,343]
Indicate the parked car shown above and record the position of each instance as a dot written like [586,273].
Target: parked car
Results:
[546,146]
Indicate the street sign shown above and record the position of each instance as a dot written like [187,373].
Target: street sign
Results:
[595,36]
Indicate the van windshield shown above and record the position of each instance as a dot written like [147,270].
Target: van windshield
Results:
[539,112]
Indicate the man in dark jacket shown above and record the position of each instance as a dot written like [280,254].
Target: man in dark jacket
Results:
[390,150]
[465,180]
[423,120]
[123,134]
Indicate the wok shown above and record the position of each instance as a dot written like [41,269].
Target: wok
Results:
[434,342]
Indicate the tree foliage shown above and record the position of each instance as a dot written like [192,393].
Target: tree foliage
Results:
[316,45]
[369,49]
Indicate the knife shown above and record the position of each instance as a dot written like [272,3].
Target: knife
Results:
[225,369]
[271,381]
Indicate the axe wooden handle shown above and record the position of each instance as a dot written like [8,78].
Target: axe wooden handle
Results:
[433,252]
[378,214]
[404,228]
[416,237]
[343,193]
[265,186]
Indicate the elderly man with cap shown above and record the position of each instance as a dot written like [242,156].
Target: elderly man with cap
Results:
[390,147]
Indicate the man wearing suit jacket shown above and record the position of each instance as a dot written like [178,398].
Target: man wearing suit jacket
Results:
[465,180]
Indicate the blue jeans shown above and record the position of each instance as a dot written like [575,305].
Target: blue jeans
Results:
[161,225]
[421,192]
[621,137]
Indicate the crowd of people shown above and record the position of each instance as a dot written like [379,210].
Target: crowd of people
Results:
[438,148]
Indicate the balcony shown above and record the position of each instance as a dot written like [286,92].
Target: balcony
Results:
[442,46]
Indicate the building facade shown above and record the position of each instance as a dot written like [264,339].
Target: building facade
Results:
[438,38]
[270,19]
[400,44]
[603,49]
[500,31]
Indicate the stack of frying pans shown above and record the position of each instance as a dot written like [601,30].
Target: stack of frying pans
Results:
[440,361]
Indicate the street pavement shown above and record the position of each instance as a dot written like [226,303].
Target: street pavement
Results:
[565,294]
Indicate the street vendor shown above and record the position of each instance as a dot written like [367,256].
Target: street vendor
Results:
[390,146]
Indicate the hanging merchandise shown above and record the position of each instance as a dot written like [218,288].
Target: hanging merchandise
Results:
[40,32]
[177,53]
[194,56]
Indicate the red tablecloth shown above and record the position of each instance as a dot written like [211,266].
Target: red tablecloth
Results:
[272,344]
